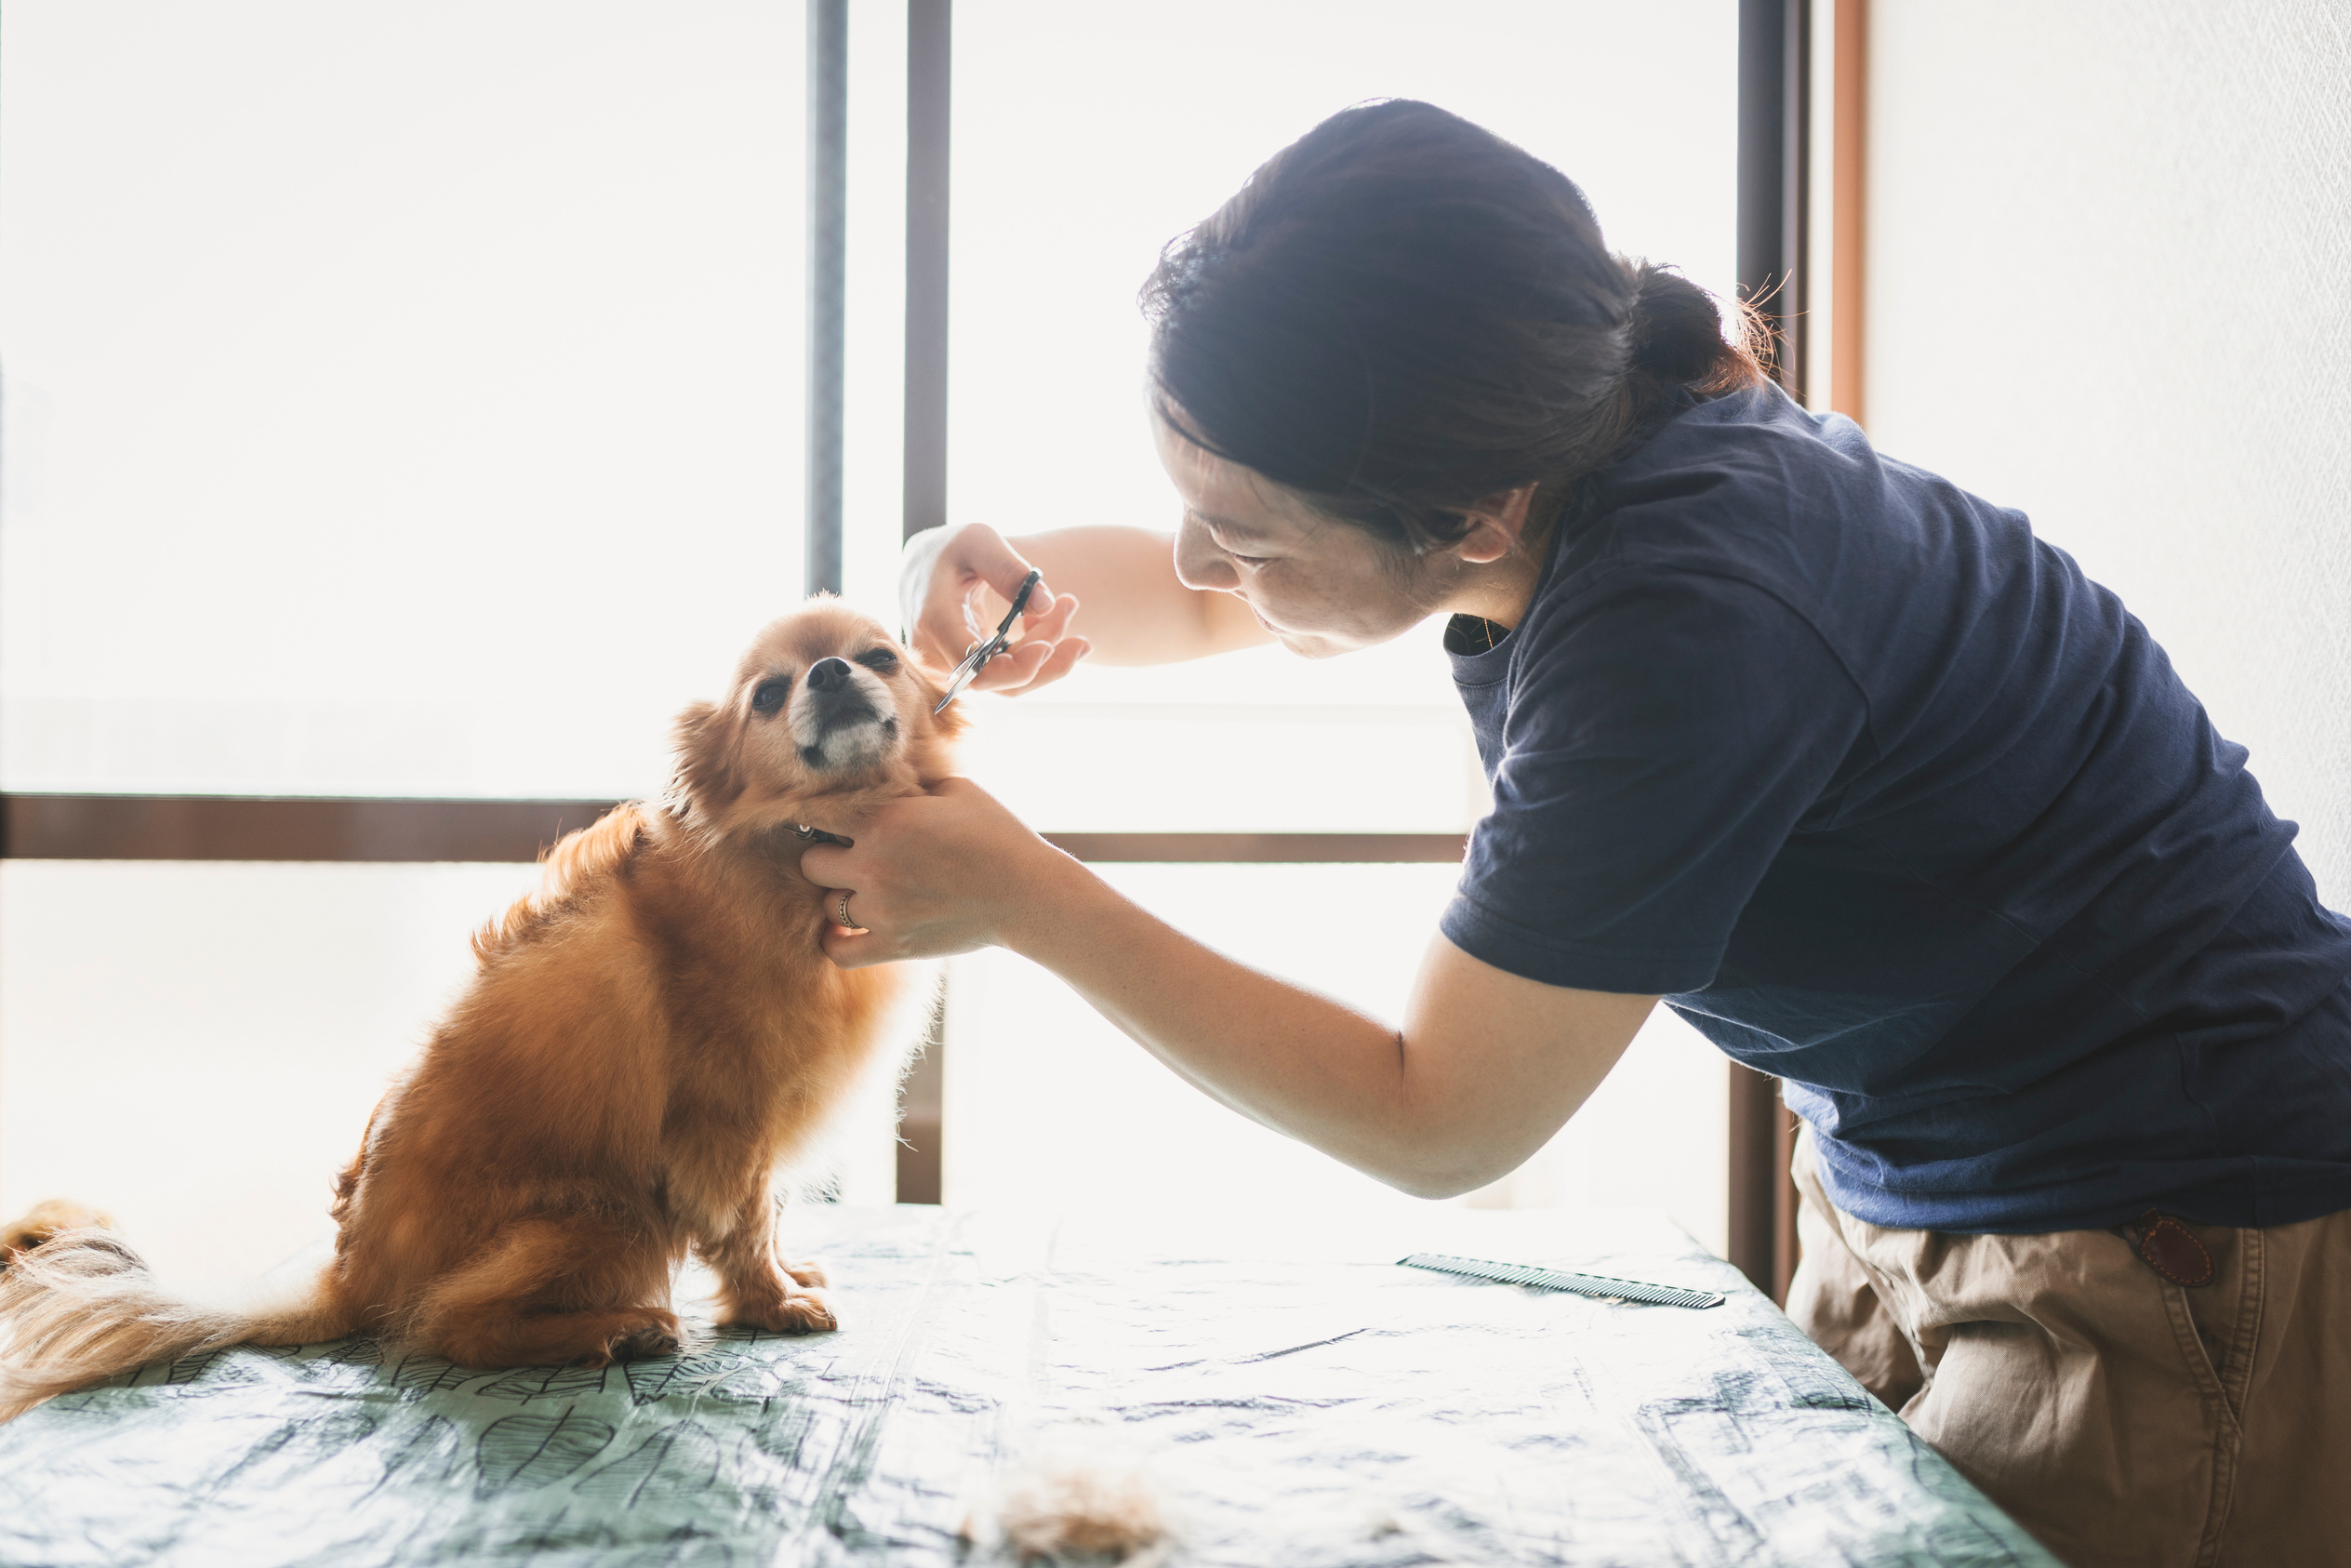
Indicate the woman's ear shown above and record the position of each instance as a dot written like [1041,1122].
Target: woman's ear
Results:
[1497,524]
[702,744]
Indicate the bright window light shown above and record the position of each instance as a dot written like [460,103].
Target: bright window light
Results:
[401,399]
[1087,136]
[405,399]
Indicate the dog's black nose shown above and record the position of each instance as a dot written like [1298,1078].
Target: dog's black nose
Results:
[828,674]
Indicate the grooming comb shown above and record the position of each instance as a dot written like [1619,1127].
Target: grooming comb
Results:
[1554,1279]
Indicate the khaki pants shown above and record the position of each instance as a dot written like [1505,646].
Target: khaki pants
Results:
[2121,1418]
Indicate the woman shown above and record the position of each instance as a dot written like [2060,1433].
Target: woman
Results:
[1872,786]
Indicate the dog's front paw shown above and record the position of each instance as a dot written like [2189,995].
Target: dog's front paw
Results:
[801,1311]
[657,1335]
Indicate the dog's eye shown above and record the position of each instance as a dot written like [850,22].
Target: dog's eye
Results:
[882,661]
[768,695]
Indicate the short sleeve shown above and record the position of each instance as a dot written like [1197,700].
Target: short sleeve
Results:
[1663,733]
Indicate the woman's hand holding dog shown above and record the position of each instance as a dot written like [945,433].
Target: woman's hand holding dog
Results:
[936,874]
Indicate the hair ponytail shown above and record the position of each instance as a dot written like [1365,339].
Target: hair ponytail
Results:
[1677,344]
[1677,335]
[1401,315]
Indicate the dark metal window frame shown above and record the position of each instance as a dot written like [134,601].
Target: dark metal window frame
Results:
[1774,117]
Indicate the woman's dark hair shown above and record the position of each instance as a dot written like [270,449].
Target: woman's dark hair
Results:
[1401,315]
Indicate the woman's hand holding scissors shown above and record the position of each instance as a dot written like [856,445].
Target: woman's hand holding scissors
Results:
[956,585]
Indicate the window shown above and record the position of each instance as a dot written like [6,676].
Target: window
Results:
[401,399]
[405,397]
[1086,137]
[407,401]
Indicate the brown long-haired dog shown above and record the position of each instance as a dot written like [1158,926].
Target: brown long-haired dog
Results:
[649,1036]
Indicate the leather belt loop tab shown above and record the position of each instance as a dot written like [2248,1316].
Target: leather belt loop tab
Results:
[2173,1251]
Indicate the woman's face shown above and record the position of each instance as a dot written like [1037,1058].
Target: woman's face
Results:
[1321,588]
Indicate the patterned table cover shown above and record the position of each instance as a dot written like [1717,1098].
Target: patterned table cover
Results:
[1294,1397]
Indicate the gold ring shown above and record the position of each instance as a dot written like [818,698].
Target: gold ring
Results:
[844,912]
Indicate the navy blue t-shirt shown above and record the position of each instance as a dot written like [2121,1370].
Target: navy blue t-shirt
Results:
[1882,795]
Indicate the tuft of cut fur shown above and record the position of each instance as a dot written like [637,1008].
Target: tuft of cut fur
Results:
[651,1037]
[1083,1494]
[1084,1511]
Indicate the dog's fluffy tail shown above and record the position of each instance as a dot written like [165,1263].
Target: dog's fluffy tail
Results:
[83,1307]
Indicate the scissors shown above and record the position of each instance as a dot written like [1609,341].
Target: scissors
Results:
[980,653]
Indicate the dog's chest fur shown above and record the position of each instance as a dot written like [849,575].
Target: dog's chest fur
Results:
[657,1042]
[761,1036]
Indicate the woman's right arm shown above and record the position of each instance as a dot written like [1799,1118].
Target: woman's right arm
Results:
[1485,1066]
[1136,610]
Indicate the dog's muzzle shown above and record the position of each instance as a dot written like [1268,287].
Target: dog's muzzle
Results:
[837,721]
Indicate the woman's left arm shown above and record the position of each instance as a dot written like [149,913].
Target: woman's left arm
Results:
[1485,1069]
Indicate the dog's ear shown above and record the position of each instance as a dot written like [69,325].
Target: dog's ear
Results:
[705,779]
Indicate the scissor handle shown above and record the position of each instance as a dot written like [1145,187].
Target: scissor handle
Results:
[1020,600]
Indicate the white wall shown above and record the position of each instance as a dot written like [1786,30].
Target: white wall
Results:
[2108,248]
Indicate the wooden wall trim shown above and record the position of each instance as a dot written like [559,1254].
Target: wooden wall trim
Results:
[232,827]
[1289,849]
[1849,164]
[253,828]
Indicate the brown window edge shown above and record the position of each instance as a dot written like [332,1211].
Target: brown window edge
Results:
[385,830]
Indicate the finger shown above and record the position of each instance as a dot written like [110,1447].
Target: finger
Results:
[953,786]
[964,558]
[1020,668]
[828,865]
[949,625]
[1042,603]
[1063,659]
[1054,627]
[1011,671]
[1047,665]
[985,560]
[855,950]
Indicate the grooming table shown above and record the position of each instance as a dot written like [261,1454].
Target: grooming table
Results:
[1296,1398]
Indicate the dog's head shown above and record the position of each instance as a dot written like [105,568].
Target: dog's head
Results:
[826,708]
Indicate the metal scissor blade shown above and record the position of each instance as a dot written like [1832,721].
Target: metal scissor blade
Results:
[963,673]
